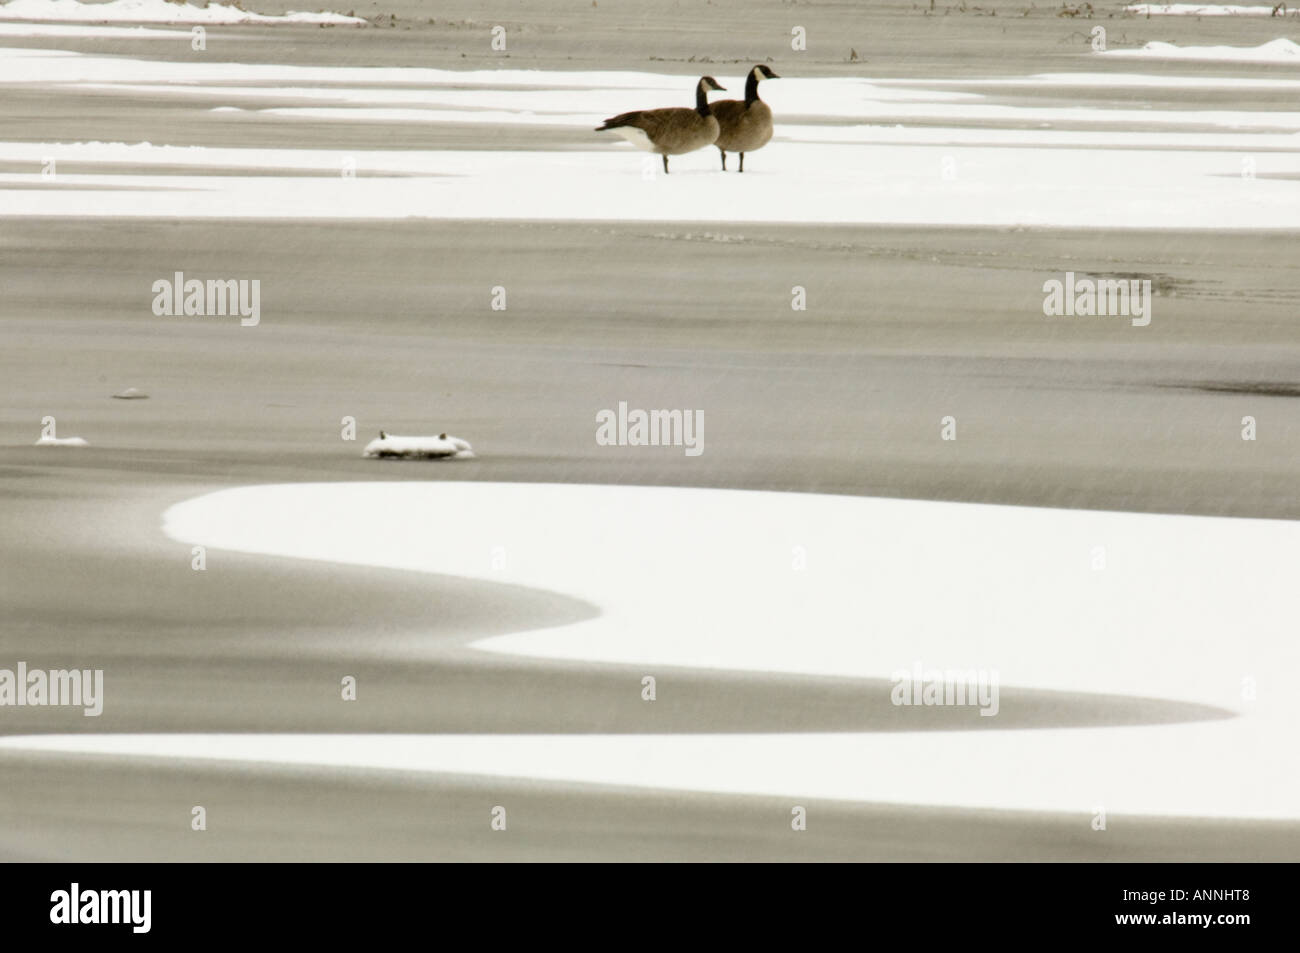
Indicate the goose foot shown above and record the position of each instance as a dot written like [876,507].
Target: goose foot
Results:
[665,163]
[742,162]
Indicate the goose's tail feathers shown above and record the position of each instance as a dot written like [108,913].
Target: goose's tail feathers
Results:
[624,119]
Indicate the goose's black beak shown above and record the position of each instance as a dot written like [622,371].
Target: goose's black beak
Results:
[773,75]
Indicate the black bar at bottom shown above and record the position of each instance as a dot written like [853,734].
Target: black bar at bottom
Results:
[332,902]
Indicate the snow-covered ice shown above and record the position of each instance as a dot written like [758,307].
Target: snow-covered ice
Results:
[418,448]
[1281,50]
[854,183]
[851,150]
[82,31]
[705,579]
[158,11]
[1208,9]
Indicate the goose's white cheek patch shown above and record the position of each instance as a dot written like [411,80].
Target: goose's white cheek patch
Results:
[635,136]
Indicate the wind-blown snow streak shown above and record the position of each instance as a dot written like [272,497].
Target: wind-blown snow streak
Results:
[1082,80]
[1208,10]
[1280,50]
[158,11]
[60,31]
[882,183]
[62,442]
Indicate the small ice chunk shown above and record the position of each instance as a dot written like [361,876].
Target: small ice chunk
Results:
[131,393]
[388,445]
[62,442]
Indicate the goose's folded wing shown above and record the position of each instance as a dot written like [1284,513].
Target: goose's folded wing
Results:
[656,123]
[727,110]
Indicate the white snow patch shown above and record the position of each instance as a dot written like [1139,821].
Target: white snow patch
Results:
[1106,81]
[704,578]
[62,442]
[786,182]
[1206,9]
[826,99]
[1280,50]
[86,32]
[157,11]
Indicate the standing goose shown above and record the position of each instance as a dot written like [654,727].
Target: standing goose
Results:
[744,126]
[670,132]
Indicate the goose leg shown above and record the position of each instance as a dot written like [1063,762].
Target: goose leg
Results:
[665,163]
[724,158]
[742,162]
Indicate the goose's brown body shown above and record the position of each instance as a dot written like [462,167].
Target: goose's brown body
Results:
[669,132]
[672,131]
[744,124]
[743,127]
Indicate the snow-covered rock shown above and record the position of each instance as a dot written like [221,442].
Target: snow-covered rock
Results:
[417,448]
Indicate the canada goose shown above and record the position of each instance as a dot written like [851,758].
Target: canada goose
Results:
[673,131]
[745,126]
